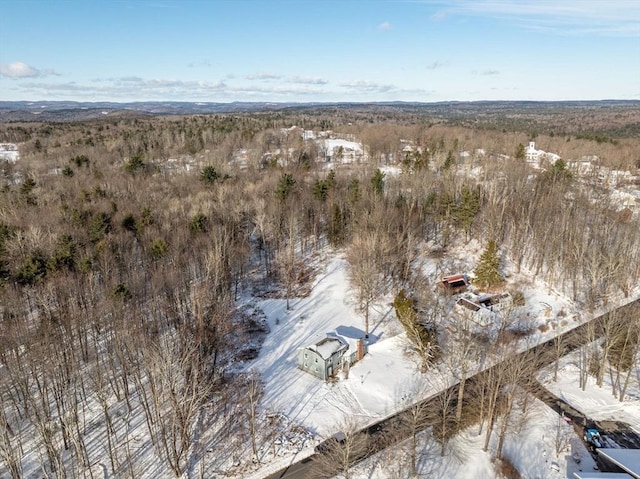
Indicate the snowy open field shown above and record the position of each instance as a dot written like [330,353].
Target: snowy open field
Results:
[388,376]
[374,384]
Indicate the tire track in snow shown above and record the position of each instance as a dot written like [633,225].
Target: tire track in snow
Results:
[345,401]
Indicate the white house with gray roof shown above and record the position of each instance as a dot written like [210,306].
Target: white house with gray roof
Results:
[326,357]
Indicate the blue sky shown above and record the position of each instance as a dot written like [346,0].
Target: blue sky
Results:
[319,50]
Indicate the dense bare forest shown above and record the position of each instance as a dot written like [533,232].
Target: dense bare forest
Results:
[125,243]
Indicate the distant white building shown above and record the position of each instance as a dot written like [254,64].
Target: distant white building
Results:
[342,151]
[536,156]
[621,200]
[530,152]
[584,167]
[291,129]
[9,152]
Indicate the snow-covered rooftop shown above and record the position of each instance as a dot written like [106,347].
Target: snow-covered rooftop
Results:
[332,144]
[328,346]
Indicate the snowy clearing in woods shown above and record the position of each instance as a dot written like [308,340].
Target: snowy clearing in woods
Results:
[387,379]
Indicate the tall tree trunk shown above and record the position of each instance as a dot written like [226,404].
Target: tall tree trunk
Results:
[460,399]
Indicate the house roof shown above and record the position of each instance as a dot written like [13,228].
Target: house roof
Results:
[465,303]
[626,459]
[328,346]
[332,144]
[455,281]
[455,278]
[601,475]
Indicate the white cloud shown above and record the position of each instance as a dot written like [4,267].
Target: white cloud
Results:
[263,76]
[134,88]
[127,87]
[282,91]
[569,17]
[137,88]
[22,70]
[367,86]
[385,26]
[130,79]
[309,81]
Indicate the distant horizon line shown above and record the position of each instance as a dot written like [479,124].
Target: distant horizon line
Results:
[333,102]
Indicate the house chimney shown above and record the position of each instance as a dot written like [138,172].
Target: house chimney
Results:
[360,352]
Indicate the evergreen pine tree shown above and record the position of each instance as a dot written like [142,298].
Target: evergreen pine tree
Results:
[467,209]
[423,338]
[331,179]
[354,190]
[321,190]
[336,226]
[209,175]
[377,181]
[559,170]
[449,161]
[134,164]
[487,271]
[404,307]
[285,186]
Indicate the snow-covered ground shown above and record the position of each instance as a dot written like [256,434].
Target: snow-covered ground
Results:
[379,384]
[375,384]
[543,445]
[597,403]
[383,382]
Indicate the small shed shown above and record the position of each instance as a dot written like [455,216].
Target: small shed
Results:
[455,284]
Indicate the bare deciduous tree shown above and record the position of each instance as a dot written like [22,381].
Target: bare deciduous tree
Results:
[442,416]
[516,383]
[342,449]
[255,389]
[415,419]
[363,256]
[179,383]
